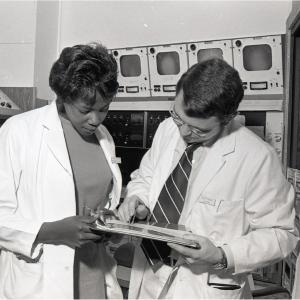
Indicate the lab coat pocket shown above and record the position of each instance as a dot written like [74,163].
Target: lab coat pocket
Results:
[222,285]
[231,206]
[230,218]
[23,280]
[218,219]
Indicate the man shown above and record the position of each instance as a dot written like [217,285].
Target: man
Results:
[237,204]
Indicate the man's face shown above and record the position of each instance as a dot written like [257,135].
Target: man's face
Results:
[194,129]
[84,117]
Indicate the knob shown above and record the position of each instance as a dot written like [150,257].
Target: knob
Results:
[238,43]
[193,47]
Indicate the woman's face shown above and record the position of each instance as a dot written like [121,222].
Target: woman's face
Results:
[84,117]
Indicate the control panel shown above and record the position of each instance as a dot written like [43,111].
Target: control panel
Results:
[126,128]
[154,118]
[134,129]
[133,132]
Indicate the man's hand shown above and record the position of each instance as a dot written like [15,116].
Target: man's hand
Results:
[132,206]
[208,252]
[72,231]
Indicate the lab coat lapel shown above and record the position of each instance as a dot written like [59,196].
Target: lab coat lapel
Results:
[55,138]
[213,163]
[109,154]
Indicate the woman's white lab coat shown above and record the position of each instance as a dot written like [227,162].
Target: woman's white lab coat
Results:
[36,186]
[238,197]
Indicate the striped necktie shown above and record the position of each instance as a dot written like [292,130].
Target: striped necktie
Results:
[170,204]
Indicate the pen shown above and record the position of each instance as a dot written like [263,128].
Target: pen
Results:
[221,285]
[132,219]
[224,286]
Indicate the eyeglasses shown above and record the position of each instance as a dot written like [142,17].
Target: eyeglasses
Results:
[198,132]
[179,122]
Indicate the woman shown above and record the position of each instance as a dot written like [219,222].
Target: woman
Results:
[57,165]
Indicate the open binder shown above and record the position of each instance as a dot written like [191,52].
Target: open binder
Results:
[107,221]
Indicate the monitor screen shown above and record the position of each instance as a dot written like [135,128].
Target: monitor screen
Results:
[168,63]
[130,65]
[257,57]
[205,54]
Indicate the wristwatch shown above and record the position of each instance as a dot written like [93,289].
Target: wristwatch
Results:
[223,263]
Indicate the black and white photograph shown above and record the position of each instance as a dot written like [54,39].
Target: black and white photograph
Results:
[149,149]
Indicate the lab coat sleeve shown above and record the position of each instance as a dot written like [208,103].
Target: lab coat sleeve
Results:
[17,233]
[269,205]
[141,179]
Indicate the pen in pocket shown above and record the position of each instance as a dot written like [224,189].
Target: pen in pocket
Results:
[221,285]
[224,286]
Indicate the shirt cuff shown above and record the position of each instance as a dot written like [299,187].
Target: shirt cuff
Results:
[229,256]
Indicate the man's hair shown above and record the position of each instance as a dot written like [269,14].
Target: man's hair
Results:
[83,70]
[211,88]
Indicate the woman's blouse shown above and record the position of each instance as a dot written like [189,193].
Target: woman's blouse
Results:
[93,182]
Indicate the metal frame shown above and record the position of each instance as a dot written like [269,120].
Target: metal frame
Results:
[164,85]
[135,86]
[224,45]
[265,82]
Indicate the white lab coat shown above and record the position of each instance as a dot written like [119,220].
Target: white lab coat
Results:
[239,198]
[296,288]
[36,186]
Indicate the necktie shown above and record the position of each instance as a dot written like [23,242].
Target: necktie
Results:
[170,204]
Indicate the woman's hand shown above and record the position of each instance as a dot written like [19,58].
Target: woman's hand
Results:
[72,231]
[132,206]
[208,252]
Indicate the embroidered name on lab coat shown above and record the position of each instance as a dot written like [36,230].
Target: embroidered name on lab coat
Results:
[206,200]
[116,160]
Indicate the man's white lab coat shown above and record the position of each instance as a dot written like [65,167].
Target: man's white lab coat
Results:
[36,186]
[239,198]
